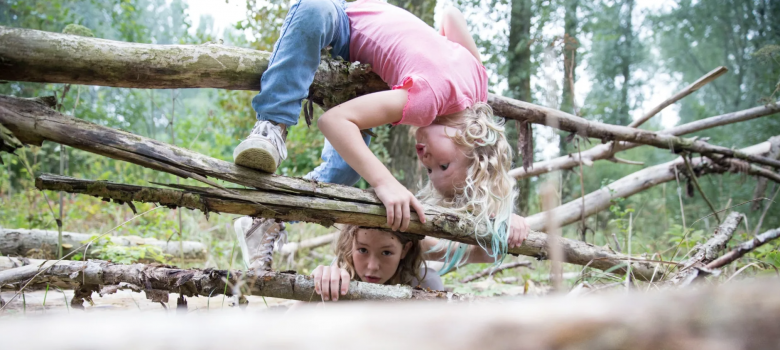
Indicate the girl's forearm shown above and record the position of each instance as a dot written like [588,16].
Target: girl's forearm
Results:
[345,137]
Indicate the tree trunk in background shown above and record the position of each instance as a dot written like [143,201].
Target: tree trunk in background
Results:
[519,78]
[400,143]
[570,45]
[625,61]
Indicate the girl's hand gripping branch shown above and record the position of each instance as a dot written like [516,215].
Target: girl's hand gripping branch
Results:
[342,125]
[519,231]
[330,282]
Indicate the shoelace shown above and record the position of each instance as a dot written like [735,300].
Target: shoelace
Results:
[266,249]
[267,130]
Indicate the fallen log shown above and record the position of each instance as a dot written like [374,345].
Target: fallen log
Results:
[738,316]
[30,55]
[639,181]
[708,251]
[440,223]
[157,281]
[607,151]
[20,242]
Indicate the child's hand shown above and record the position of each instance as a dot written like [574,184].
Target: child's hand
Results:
[398,200]
[519,231]
[327,279]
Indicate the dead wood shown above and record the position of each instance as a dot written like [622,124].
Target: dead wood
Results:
[319,241]
[744,248]
[440,223]
[159,280]
[738,316]
[639,181]
[495,269]
[30,55]
[43,244]
[708,251]
[606,151]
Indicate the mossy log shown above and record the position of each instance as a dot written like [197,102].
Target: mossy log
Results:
[440,223]
[38,56]
[740,316]
[43,243]
[158,280]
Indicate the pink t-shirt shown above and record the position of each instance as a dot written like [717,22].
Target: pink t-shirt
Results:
[442,77]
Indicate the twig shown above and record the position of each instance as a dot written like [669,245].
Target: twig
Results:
[744,248]
[766,210]
[583,232]
[698,187]
[493,270]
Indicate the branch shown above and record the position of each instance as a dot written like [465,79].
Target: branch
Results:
[319,241]
[440,223]
[743,249]
[30,55]
[19,242]
[493,270]
[606,151]
[157,281]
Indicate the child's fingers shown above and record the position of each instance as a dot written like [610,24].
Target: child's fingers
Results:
[335,278]
[399,216]
[419,209]
[326,283]
[406,217]
[344,282]
[390,214]
[317,274]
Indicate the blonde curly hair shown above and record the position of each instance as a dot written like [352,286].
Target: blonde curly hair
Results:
[488,193]
[408,268]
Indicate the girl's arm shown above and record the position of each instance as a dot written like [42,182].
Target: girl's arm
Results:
[476,254]
[342,125]
[454,27]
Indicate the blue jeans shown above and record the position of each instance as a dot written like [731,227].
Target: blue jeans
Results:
[310,26]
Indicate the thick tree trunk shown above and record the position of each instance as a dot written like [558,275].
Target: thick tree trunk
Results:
[157,281]
[30,55]
[289,207]
[737,316]
[606,151]
[42,243]
[519,81]
[634,183]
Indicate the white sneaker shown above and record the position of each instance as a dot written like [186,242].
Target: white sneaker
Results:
[257,238]
[264,149]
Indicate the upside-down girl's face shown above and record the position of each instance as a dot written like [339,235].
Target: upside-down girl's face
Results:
[446,162]
[377,254]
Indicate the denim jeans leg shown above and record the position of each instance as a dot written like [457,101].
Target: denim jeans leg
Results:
[333,168]
[310,26]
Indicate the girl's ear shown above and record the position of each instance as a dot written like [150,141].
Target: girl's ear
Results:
[407,246]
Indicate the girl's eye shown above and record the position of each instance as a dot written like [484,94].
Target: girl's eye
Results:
[362,250]
[445,166]
[429,170]
[387,253]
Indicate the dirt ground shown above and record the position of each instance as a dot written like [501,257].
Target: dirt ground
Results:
[33,303]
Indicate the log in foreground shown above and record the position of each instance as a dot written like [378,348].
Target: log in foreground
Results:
[157,281]
[43,243]
[30,55]
[440,222]
[639,181]
[737,316]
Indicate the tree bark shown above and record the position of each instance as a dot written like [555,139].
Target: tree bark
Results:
[606,151]
[519,71]
[30,55]
[157,281]
[634,183]
[738,316]
[439,222]
[20,242]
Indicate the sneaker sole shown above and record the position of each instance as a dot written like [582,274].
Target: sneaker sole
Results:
[255,158]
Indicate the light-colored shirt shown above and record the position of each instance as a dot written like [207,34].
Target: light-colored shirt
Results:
[441,76]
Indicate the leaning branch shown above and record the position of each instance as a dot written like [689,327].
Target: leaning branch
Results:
[440,223]
[744,248]
[30,55]
[157,281]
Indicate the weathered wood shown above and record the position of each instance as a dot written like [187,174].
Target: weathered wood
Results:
[738,316]
[20,242]
[440,223]
[158,280]
[319,241]
[606,151]
[744,248]
[493,270]
[29,55]
[634,183]
[708,251]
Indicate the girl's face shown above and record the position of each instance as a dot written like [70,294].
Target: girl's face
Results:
[446,163]
[377,254]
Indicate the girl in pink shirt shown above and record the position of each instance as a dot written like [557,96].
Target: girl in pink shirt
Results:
[438,84]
